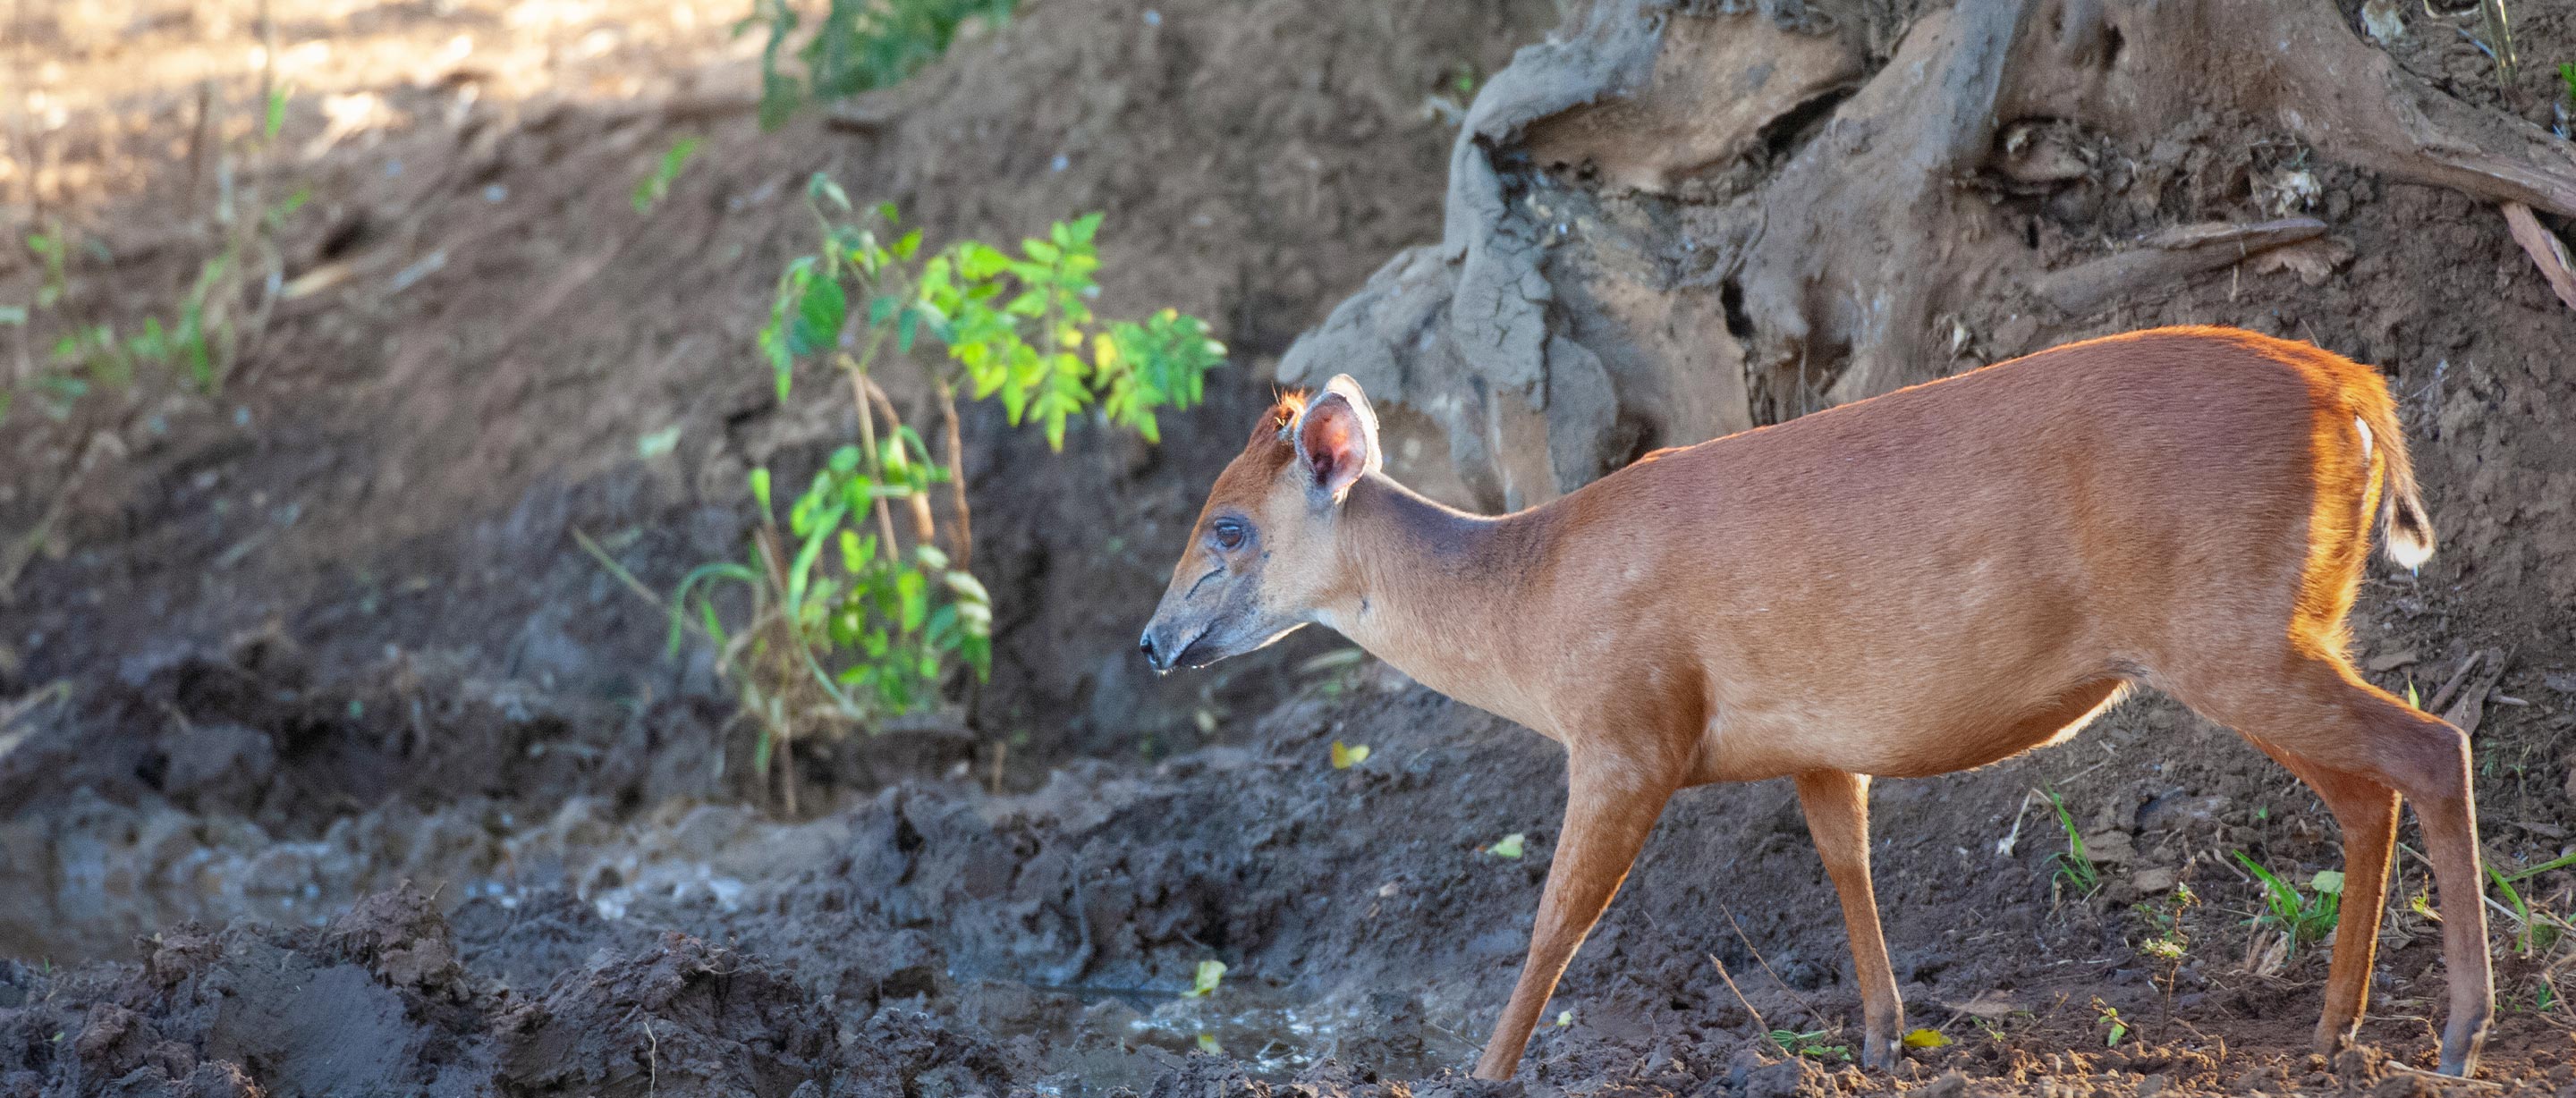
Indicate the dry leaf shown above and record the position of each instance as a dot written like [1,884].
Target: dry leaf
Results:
[2311,260]
[1991,1004]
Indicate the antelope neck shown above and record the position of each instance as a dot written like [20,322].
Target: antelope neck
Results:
[1443,595]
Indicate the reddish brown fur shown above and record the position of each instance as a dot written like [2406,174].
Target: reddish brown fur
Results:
[1924,582]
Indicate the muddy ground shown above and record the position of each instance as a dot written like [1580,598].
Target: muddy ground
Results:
[332,765]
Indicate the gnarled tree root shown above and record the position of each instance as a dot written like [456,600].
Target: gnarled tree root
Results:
[1626,265]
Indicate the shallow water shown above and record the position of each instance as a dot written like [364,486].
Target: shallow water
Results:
[1123,1036]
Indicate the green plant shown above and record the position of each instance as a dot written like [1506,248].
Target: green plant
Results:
[2538,929]
[2115,1028]
[225,307]
[843,619]
[1810,1044]
[2072,869]
[2305,916]
[2167,940]
[1204,982]
[2567,82]
[858,46]
[657,185]
[1333,673]
[51,250]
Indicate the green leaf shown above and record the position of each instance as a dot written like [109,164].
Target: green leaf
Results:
[276,113]
[1085,227]
[981,261]
[810,548]
[820,311]
[657,184]
[914,592]
[1924,1038]
[760,489]
[658,443]
[1509,846]
[1204,982]
[703,573]
[821,188]
[1032,303]
[2327,882]
[1345,757]
[2560,862]
[278,214]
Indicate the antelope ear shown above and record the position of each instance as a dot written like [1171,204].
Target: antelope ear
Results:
[1337,438]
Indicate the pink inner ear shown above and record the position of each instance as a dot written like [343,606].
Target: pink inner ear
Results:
[1326,439]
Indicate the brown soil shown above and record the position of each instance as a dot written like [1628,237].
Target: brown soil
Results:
[366,779]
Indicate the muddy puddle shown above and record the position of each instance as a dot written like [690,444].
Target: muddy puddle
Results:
[1128,1037]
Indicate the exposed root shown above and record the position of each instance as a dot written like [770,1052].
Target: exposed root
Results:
[1664,226]
[2165,256]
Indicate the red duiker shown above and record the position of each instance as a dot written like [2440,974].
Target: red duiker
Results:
[1914,584]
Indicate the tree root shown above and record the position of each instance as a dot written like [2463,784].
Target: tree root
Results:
[2165,257]
[1665,226]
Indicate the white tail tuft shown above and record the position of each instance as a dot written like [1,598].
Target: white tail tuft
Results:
[2410,534]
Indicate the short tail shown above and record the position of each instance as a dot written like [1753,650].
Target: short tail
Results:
[2402,520]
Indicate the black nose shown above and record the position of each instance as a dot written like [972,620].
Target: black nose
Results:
[1145,644]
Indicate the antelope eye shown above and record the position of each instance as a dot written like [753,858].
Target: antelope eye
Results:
[1229,533]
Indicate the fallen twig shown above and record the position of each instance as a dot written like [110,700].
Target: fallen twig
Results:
[11,711]
[2168,255]
[2436,1076]
[2469,709]
[15,557]
[1804,1003]
[2004,846]
[2545,249]
[2451,686]
[1723,974]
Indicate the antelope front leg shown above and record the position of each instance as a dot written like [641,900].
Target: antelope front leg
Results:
[1837,805]
[1607,818]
